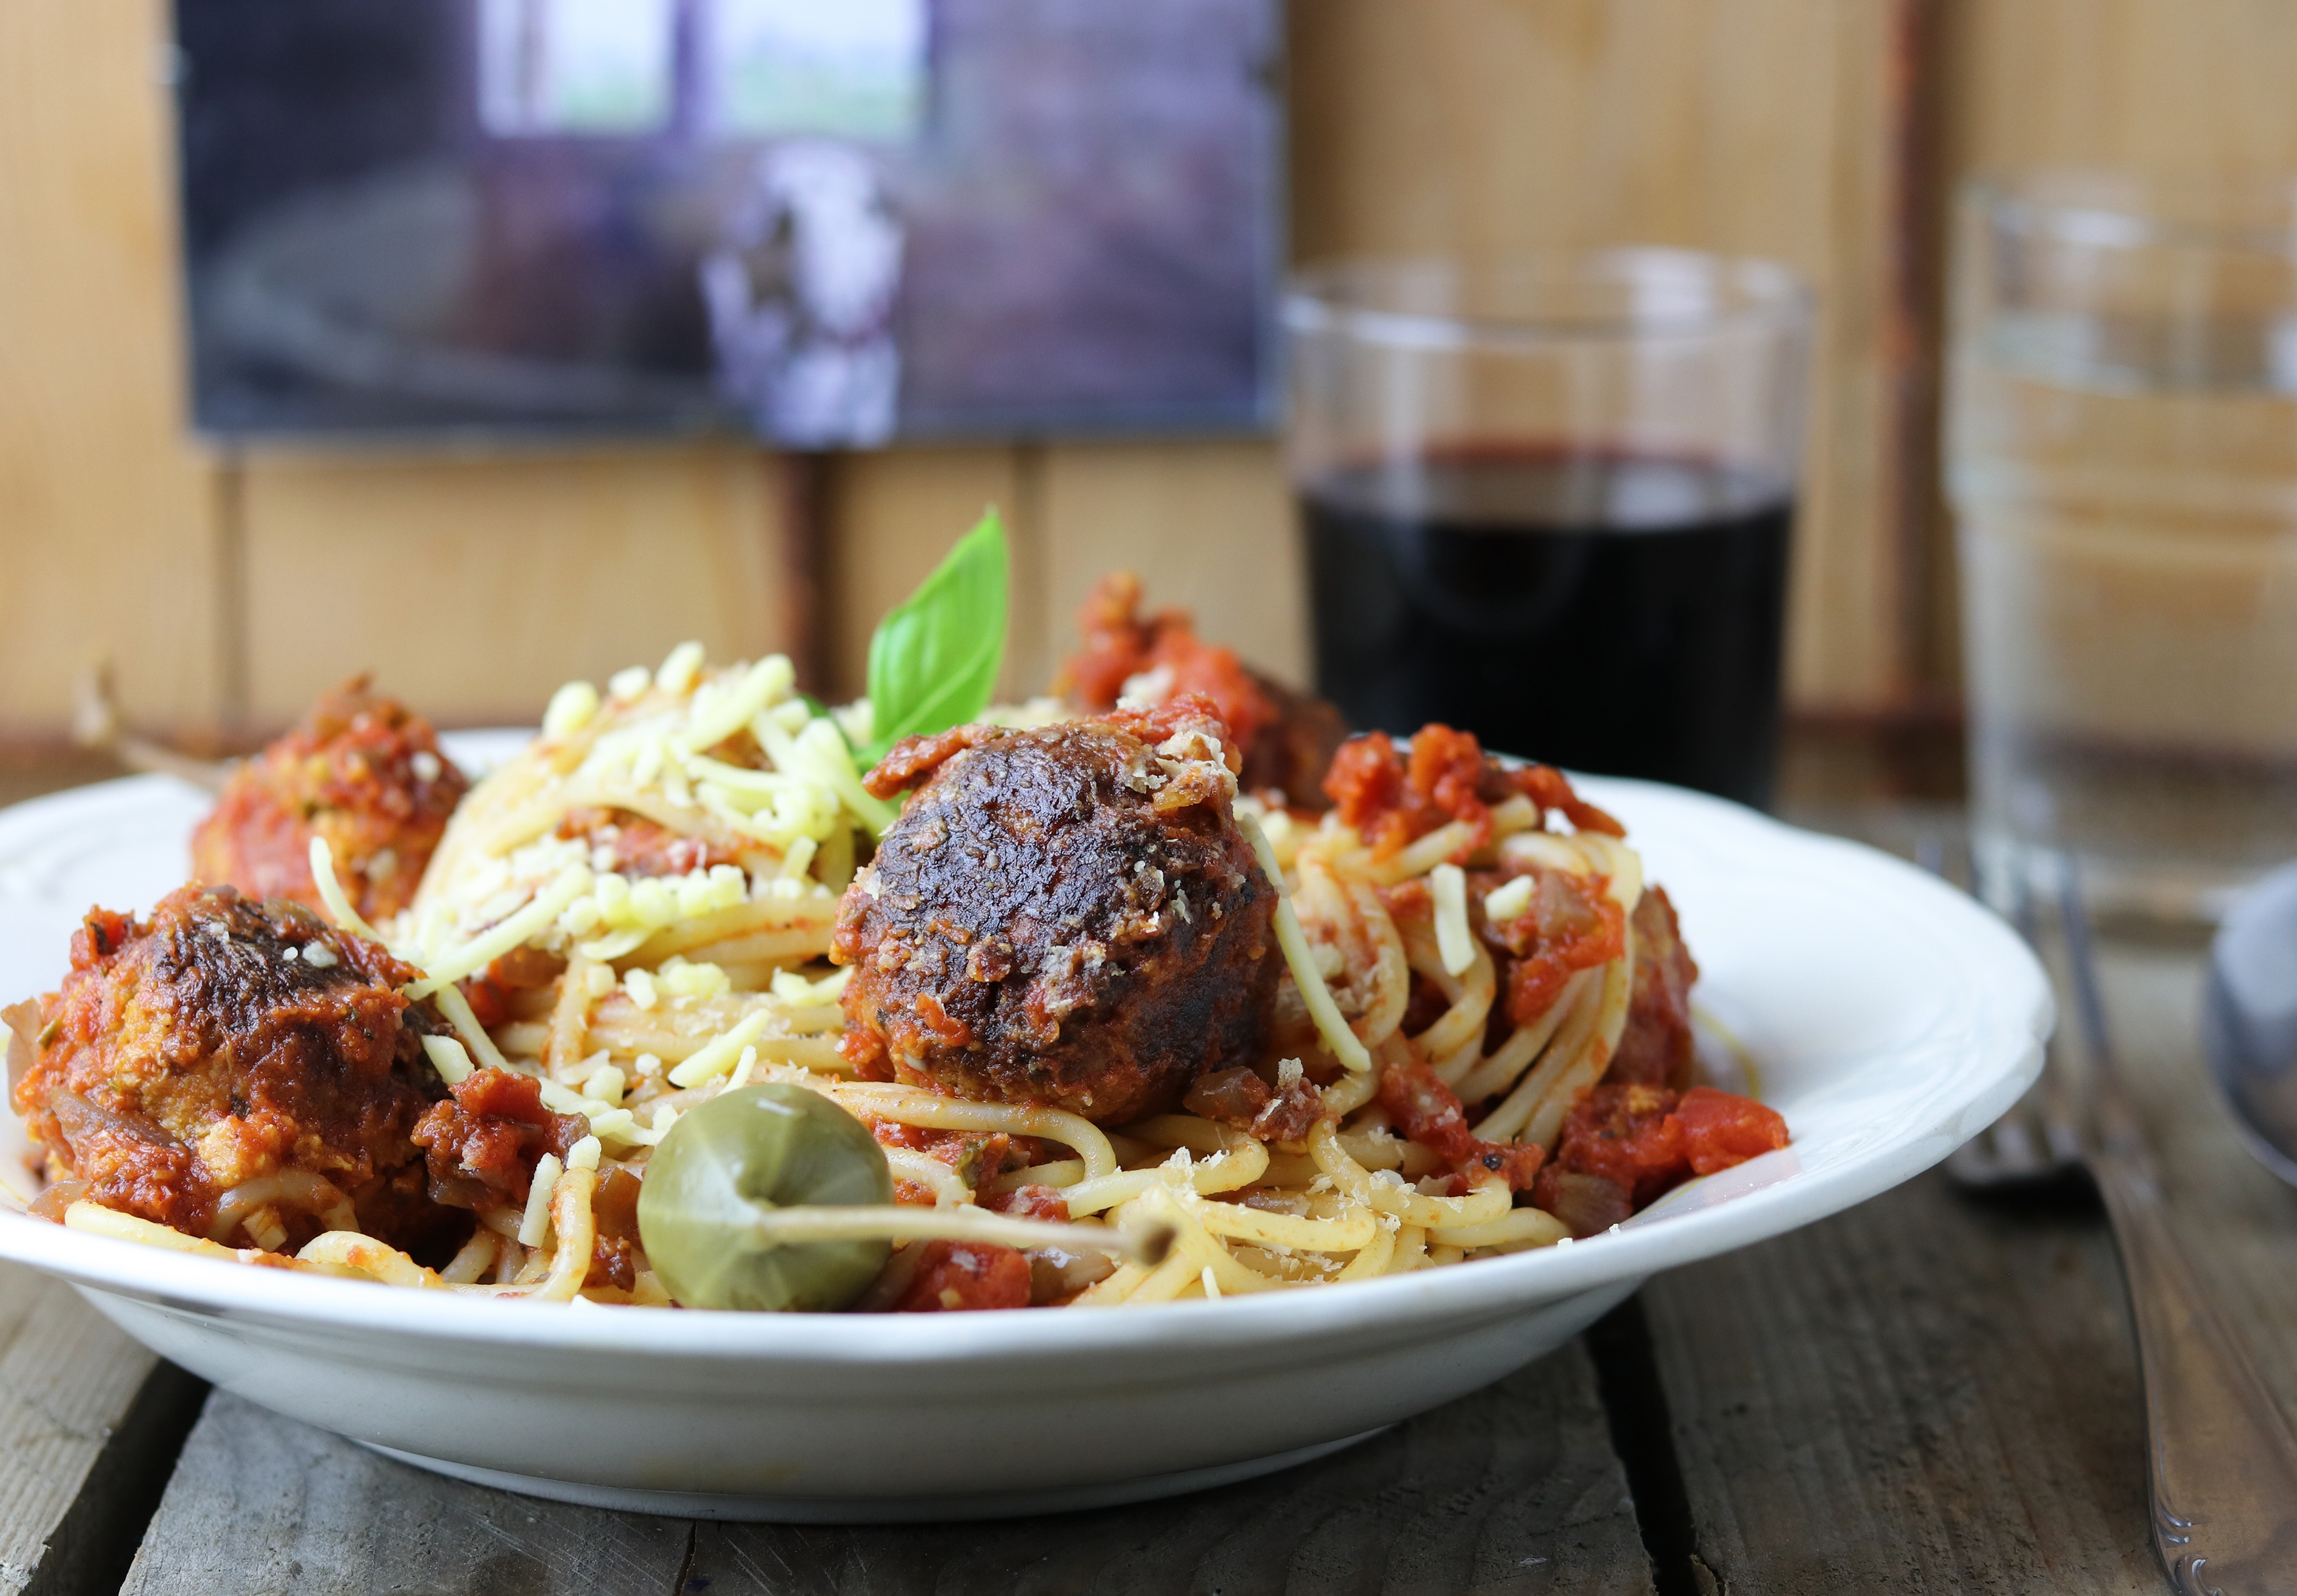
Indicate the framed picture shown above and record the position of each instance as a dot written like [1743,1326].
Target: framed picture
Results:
[822,224]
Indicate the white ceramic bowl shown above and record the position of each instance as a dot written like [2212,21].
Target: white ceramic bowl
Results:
[1892,1017]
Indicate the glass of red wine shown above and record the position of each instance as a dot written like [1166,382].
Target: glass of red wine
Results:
[1549,502]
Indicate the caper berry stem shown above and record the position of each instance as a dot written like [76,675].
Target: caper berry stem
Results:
[1145,1243]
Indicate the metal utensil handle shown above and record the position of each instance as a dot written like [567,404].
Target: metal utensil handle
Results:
[2220,1465]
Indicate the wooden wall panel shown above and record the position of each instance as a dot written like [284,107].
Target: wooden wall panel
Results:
[107,517]
[2179,88]
[893,515]
[2176,86]
[1205,523]
[1763,127]
[1475,126]
[1207,526]
[474,586]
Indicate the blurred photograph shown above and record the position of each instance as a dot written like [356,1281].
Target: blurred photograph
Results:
[823,225]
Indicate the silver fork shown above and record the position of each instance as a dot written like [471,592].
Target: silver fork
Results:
[2220,1462]
[2036,1143]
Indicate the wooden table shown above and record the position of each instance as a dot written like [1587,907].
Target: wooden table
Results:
[1932,1392]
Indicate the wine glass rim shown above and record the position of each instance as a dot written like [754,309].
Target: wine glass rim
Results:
[1682,294]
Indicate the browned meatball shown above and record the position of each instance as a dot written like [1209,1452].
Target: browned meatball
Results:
[363,771]
[1066,917]
[1656,1049]
[220,1044]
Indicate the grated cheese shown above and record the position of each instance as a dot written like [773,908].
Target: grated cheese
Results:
[456,1007]
[448,1058]
[1508,902]
[716,1057]
[605,1085]
[535,1228]
[1455,941]
[538,916]
[679,670]
[571,710]
[331,893]
[632,683]
[1344,1044]
[741,1075]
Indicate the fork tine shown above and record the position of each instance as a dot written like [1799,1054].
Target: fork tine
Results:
[2038,1140]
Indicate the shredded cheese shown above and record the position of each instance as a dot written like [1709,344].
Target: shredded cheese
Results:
[679,670]
[1508,903]
[716,1057]
[1330,1024]
[571,709]
[1455,941]
[331,893]
[535,1228]
[482,951]
[456,1007]
[448,1058]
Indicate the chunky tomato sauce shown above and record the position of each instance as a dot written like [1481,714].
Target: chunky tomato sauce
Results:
[1118,645]
[955,1276]
[1427,1112]
[1394,796]
[1626,1144]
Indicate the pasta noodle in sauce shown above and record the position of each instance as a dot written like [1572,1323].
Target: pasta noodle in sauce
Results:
[634,915]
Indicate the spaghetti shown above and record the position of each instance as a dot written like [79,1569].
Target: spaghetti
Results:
[1478,1043]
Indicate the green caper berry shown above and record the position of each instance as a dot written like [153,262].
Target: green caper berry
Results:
[747,1152]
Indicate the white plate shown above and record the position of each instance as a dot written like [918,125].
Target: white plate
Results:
[1892,1016]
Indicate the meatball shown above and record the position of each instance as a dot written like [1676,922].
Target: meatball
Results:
[1066,917]
[222,1041]
[1286,738]
[1656,1047]
[363,771]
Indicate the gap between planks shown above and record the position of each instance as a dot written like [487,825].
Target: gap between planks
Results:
[1510,1492]
[90,1424]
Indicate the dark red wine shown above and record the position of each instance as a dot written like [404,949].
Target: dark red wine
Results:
[1611,613]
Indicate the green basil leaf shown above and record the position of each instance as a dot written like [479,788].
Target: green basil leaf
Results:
[934,660]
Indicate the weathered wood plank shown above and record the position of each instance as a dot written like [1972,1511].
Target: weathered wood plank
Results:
[1208,525]
[264,1506]
[896,513]
[1928,1393]
[67,1377]
[2239,1223]
[1513,1489]
[474,586]
[107,513]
